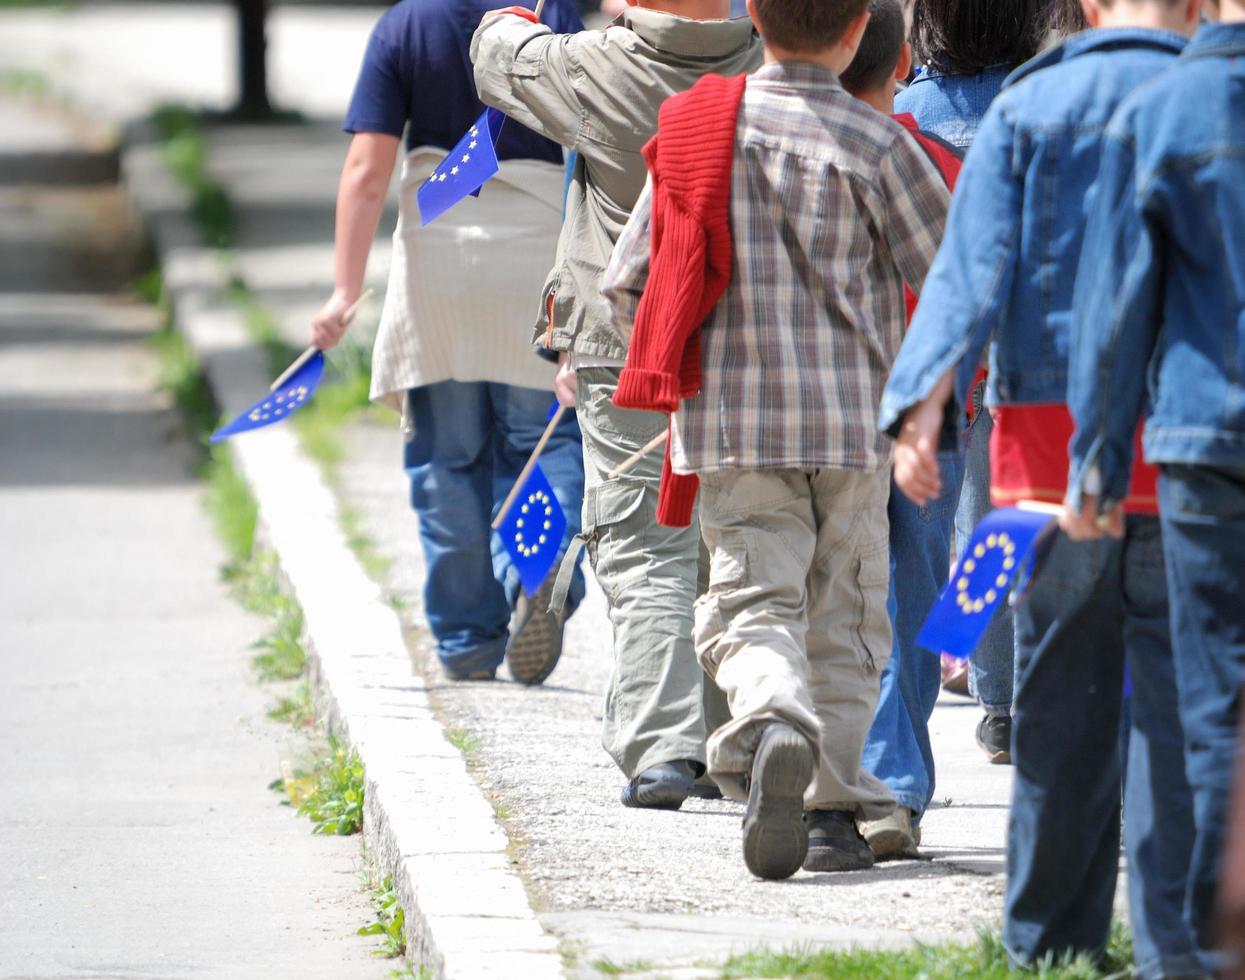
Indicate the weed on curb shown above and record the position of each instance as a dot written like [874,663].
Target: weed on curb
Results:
[331,794]
[390,924]
[297,709]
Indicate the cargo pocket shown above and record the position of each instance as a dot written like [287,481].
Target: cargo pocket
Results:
[614,535]
[873,630]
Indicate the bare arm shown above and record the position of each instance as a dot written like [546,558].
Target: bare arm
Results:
[360,203]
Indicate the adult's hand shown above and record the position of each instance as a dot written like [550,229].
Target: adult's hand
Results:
[1088,524]
[564,385]
[329,325]
[917,472]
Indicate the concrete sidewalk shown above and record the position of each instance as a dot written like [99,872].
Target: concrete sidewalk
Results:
[137,838]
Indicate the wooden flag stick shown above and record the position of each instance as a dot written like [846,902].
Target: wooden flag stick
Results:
[540,7]
[634,458]
[1039,507]
[528,467]
[311,351]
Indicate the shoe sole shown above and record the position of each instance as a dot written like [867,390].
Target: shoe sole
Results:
[775,840]
[534,651]
[997,757]
[830,859]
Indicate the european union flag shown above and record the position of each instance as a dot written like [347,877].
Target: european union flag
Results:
[532,531]
[465,169]
[278,405]
[1004,545]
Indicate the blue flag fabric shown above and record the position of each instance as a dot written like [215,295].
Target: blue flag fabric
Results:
[279,405]
[1002,548]
[532,531]
[465,169]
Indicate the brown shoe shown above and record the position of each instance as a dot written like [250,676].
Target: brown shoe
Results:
[893,838]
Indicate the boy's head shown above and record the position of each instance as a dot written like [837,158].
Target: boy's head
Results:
[883,54]
[810,27]
[965,37]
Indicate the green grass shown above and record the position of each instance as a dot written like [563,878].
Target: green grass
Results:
[184,151]
[334,802]
[985,960]
[178,373]
[609,968]
[282,656]
[390,921]
[296,709]
[466,742]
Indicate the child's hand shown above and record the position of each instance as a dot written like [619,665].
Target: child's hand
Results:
[564,381]
[916,453]
[329,325]
[1088,524]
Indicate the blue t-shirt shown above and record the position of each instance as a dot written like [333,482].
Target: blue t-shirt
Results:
[417,71]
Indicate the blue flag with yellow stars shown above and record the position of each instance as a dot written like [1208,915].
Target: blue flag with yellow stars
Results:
[1002,548]
[278,405]
[532,531]
[465,169]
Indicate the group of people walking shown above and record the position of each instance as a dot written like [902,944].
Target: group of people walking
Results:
[749,211]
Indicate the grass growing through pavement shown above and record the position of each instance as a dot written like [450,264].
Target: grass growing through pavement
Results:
[184,151]
[330,794]
[986,960]
[390,923]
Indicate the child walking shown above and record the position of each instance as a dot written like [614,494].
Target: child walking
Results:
[790,215]
[1161,285]
[1006,271]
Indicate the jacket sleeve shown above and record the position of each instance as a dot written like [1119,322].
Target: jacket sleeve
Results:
[627,272]
[528,73]
[969,285]
[1116,315]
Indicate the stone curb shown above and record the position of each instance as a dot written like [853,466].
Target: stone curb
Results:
[426,821]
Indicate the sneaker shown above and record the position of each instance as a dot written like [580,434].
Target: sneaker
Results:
[994,735]
[706,789]
[834,843]
[893,837]
[471,675]
[661,787]
[535,637]
[775,841]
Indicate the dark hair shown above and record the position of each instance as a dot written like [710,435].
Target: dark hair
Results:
[806,25]
[1067,18]
[879,49]
[964,37]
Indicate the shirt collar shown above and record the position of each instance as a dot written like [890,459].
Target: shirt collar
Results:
[686,37]
[1217,40]
[1100,40]
[799,73]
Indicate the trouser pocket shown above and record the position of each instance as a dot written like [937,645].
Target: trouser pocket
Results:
[873,632]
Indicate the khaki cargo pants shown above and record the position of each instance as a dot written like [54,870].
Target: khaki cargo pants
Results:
[794,625]
[659,706]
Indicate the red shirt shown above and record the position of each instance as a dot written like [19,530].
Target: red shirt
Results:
[1029,459]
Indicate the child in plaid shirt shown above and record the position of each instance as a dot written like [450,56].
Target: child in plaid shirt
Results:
[784,216]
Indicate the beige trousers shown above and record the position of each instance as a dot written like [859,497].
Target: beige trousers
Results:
[794,626]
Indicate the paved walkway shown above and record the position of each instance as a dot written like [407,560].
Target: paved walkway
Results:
[137,836]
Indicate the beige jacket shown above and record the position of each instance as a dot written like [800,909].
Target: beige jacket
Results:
[597,93]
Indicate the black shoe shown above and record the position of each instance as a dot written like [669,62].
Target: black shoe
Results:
[661,787]
[834,843]
[705,789]
[775,841]
[994,735]
[535,637]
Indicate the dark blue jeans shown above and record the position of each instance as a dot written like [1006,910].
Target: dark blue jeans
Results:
[897,750]
[1203,515]
[471,439]
[1092,605]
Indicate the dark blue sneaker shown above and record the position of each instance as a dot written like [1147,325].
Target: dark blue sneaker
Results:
[661,787]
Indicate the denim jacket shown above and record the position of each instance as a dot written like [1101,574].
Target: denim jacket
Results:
[951,106]
[1008,258]
[1163,279]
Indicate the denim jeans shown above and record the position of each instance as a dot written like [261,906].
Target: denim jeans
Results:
[993,664]
[1093,604]
[897,750]
[471,439]
[1203,515]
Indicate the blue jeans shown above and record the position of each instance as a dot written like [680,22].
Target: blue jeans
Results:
[993,664]
[897,750]
[1203,515]
[471,439]
[1091,605]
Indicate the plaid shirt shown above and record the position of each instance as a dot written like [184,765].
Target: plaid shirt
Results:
[833,208]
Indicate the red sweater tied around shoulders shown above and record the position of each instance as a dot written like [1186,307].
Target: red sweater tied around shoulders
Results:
[690,161]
